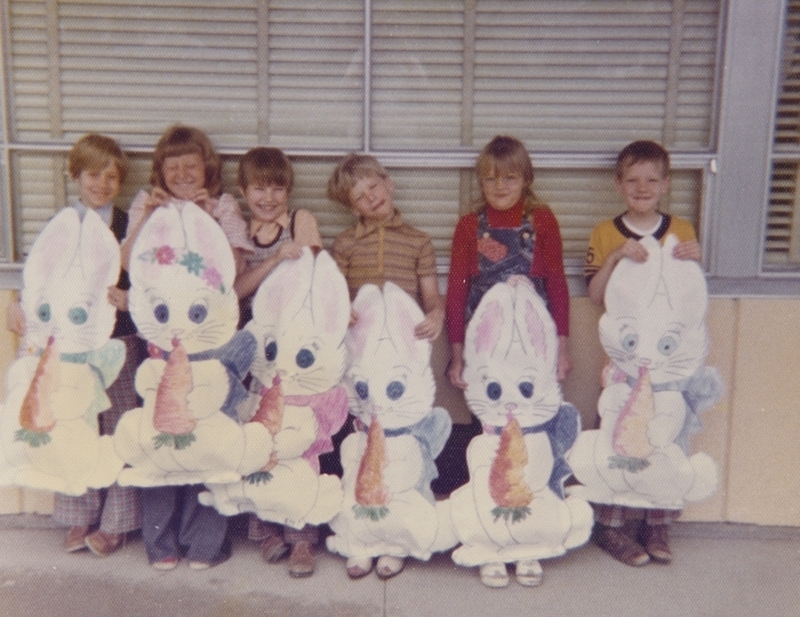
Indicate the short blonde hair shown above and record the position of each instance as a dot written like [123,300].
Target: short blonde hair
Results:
[508,155]
[93,153]
[179,140]
[352,168]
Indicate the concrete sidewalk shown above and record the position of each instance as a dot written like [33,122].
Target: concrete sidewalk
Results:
[719,570]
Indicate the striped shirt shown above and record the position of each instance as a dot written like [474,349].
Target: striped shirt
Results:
[392,251]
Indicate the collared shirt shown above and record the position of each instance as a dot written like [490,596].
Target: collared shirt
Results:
[105,212]
[386,251]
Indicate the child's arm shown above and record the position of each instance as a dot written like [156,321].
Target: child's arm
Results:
[690,249]
[141,209]
[564,365]
[306,233]
[15,318]
[433,305]
[455,369]
[632,249]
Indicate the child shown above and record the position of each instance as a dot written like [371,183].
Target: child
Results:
[377,249]
[487,248]
[186,167]
[380,247]
[265,181]
[98,165]
[642,179]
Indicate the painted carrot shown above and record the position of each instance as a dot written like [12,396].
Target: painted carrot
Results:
[370,491]
[35,416]
[172,416]
[506,476]
[630,432]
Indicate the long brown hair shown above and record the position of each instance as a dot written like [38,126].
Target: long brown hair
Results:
[179,140]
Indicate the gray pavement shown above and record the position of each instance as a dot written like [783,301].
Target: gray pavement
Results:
[720,570]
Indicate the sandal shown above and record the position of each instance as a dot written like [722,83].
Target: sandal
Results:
[389,566]
[529,573]
[494,574]
[358,568]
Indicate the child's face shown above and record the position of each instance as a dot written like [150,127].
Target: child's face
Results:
[267,202]
[371,198]
[642,185]
[98,188]
[502,191]
[184,175]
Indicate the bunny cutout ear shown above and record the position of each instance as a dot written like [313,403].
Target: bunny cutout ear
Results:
[52,251]
[370,313]
[535,326]
[206,240]
[161,241]
[402,316]
[330,298]
[633,285]
[685,284]
[99,253]
[282,294]
[491,329]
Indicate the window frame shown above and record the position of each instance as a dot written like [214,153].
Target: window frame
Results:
[734,172]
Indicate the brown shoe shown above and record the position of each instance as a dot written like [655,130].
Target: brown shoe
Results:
[103,544]
[273,549]
[655,539]
[619,545]
[76,538]
[301,560]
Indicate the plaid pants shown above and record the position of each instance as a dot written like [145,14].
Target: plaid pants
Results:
[616,516]
[116,509]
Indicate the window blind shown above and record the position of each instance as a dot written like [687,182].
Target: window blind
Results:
[422,78]
[782,236]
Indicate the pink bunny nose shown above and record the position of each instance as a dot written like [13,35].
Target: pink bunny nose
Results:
[511,406]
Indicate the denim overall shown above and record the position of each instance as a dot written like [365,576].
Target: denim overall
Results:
[511,253]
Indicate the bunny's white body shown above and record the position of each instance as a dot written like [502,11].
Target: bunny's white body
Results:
[66,277]
[300,316]
[655,335]
[182,272]
[511,350]
[391,385]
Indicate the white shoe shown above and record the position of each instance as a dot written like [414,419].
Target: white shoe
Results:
[389,566]
[529,573]
[494,574]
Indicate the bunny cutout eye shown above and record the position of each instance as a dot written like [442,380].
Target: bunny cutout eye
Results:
[362,390]
[494,391]
[271,351]
[305,358]
[668,343]
[78,315]
[395,390]
[198,312]
[629,340]
[161,311]
[526,388]
[43,312]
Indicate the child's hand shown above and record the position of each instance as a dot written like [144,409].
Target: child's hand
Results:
[157,198]
[353,318]
[564,365]
[431,326]
[118,298]
[290,250]
[633,249]
[15,319]
[455,370]
[203,199]
[687,250]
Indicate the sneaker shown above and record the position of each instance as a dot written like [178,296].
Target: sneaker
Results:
[76,538]
[389,566]
[358,568]
[655,539]
[529,573]
[619,545]
[273,549]
[494,575]
[168,563]
[199,565]
[301,560]
[103,544]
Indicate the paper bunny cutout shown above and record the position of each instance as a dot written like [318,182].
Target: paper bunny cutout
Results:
[300,316]
[49,434]
[513,508]
[388,461]
[654,332]
[182,301]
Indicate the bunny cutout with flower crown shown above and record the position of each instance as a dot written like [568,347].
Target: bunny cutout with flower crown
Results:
[654,333]
[300,316]
[48,425]
[388,462]
[183,303]
[513,508]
